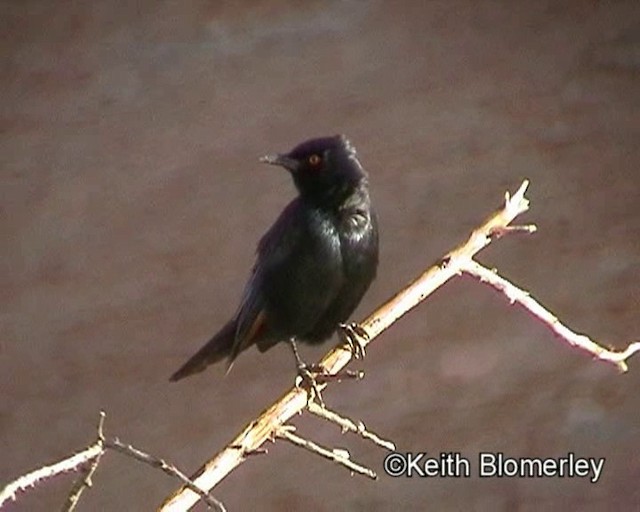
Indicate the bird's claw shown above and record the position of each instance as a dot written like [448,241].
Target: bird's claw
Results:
[353,335]
[307,374]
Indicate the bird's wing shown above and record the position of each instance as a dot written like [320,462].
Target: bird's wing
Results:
[251,316]
[296,270]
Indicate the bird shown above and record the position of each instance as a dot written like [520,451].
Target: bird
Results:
[314,264]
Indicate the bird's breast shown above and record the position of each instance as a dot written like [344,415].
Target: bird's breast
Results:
[353,226]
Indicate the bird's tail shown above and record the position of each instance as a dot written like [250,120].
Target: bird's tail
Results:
[216,349]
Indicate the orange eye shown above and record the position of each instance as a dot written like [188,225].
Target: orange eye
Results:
[314,160]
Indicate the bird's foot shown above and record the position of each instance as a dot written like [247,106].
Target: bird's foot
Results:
[353,335]
[307,374]
[314,375]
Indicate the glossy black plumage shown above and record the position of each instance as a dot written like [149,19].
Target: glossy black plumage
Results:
[314,264]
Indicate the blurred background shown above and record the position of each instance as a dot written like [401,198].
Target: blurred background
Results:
[132,200]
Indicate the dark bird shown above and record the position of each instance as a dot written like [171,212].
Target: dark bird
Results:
[313,265]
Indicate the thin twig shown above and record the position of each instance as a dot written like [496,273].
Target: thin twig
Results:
[338,456]
[68,464]
[522,297]
[295,400]
[84,481]
[501,231]
[89,459]
[169,469]
[348,425]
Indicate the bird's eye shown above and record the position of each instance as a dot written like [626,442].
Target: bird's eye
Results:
[314,160]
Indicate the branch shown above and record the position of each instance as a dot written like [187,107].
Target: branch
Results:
[88,460]
[515,294]
[269,423]
[84,480]
[340,457]
[169,469]
[69,464]
[348,425]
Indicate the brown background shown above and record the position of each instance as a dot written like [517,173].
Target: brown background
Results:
[131,201]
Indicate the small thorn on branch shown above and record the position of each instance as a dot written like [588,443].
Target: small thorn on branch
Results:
[338,456]
[348,425]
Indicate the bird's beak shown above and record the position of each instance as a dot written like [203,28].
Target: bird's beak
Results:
[281,160]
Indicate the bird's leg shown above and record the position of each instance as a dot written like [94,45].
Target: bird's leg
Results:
[307,372]
[353,335]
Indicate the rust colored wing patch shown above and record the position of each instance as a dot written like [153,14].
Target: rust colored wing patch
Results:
[253,333]
[256,329]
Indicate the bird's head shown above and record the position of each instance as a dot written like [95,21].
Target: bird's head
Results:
[322,169]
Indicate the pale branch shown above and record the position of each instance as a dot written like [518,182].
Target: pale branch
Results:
[524,298]
[71,463]
[84,481]
[348,425]
[338,456]
[87,461]
[295,400]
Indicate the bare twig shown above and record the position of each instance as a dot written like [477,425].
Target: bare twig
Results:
[348,425]
[522,297]
[295,400]
[68,464]
[338,456]
[89,459]
[84,480]
[501,231]
[155,462]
